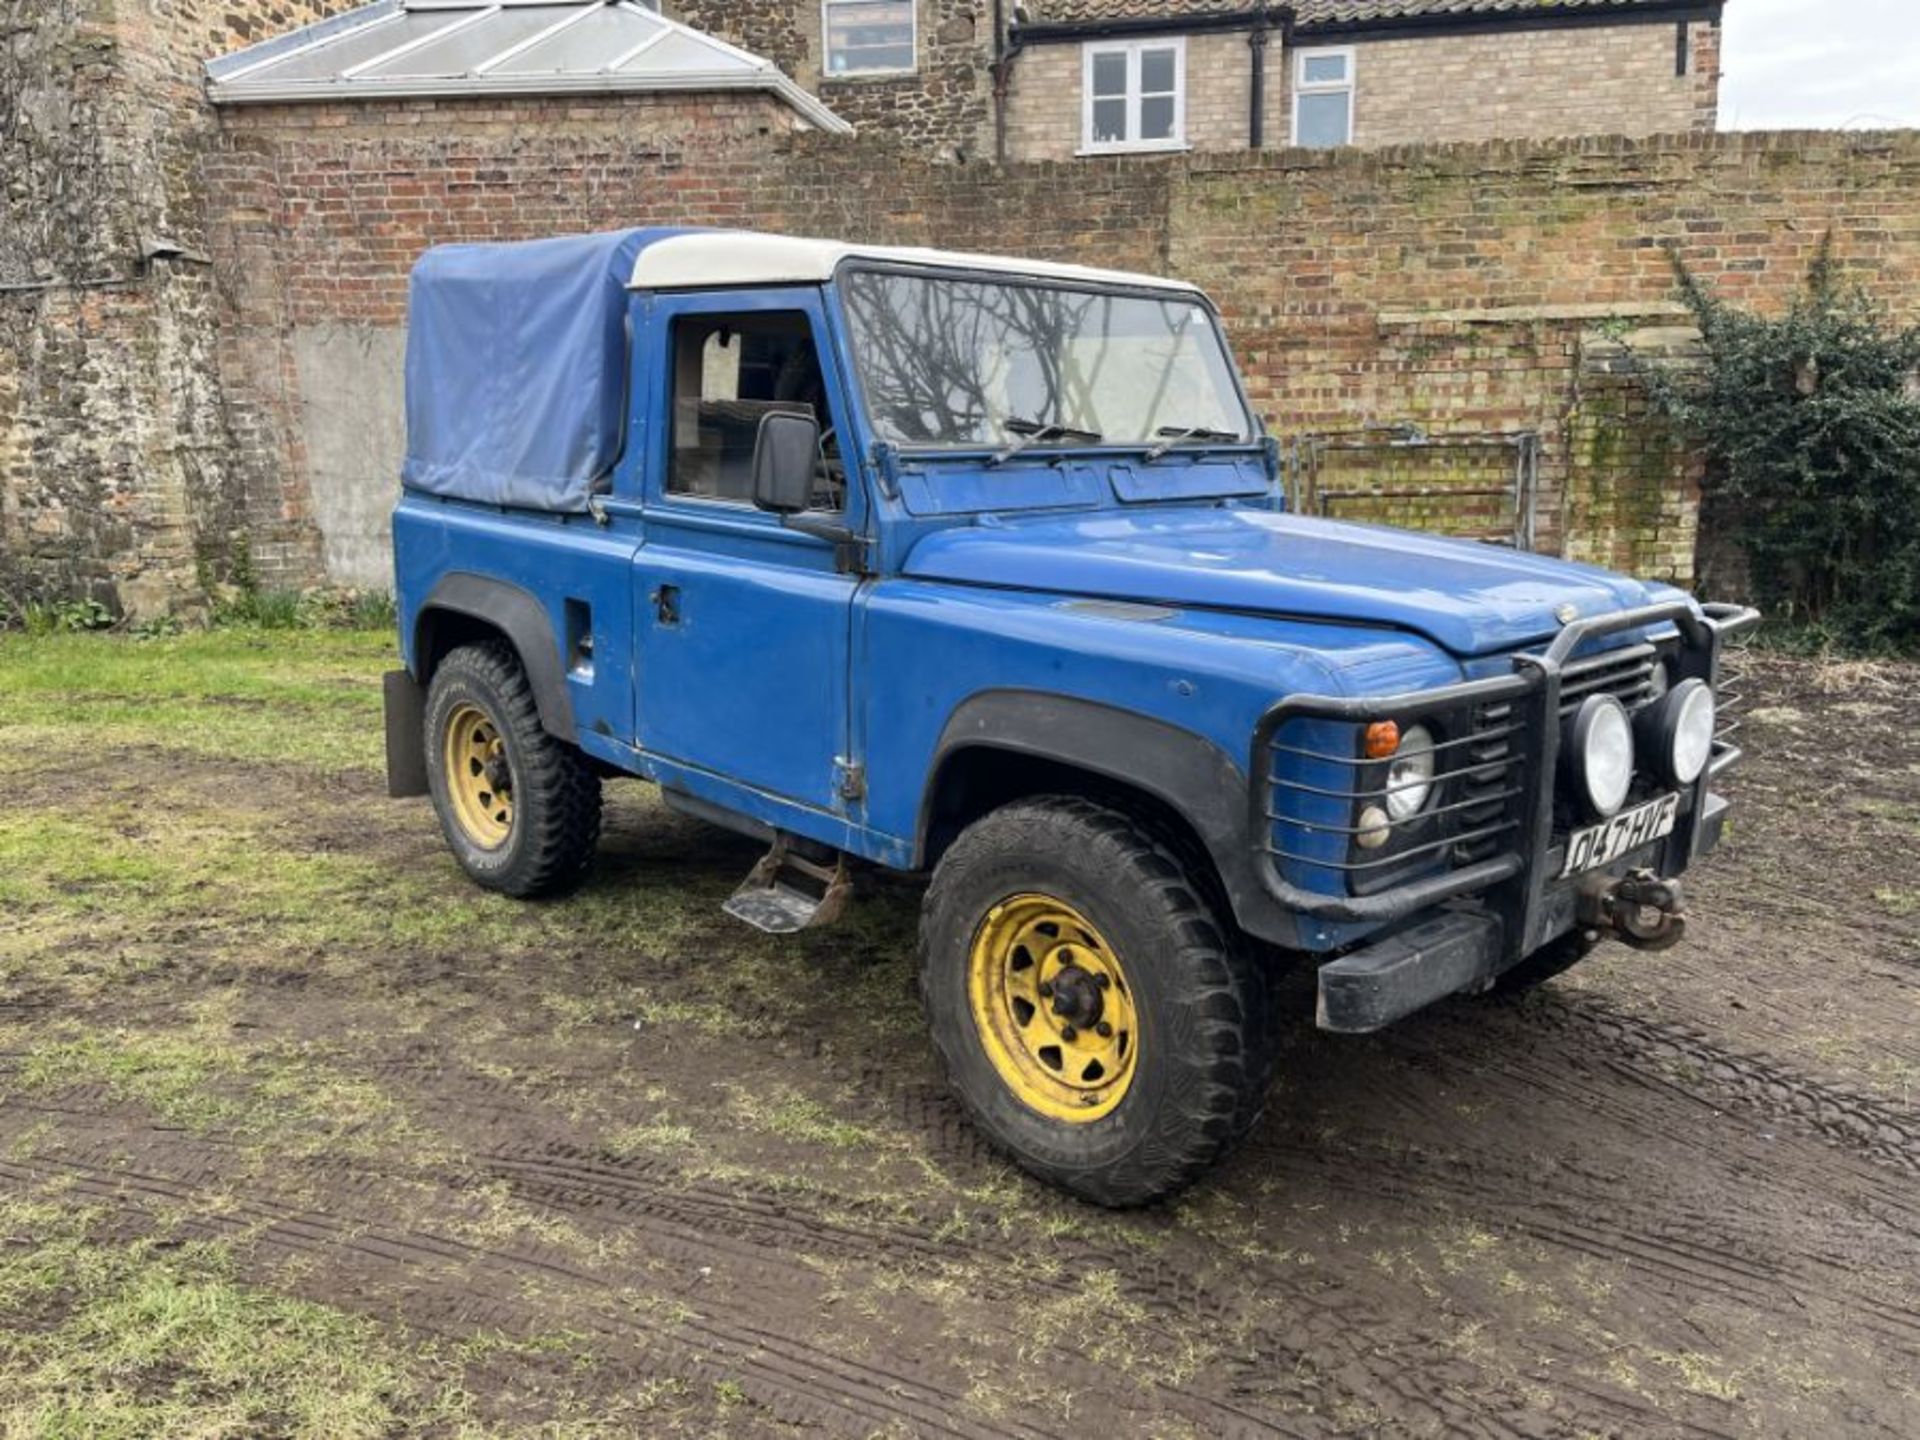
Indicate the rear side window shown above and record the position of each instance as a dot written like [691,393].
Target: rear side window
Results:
[728,372]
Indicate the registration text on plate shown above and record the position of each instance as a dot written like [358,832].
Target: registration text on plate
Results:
[1629,830]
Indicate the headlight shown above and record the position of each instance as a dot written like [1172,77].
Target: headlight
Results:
[1682,728]
[1601,747]
[1410,775]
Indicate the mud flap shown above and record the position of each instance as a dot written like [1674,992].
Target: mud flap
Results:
[406,707]
[786,892]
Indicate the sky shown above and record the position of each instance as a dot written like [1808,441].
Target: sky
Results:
[1820,64]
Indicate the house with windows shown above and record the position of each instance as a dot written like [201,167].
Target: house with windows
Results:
[1059,79]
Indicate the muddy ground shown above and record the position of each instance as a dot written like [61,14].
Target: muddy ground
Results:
[614,1165]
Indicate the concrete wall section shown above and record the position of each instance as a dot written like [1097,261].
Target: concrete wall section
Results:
[353,415]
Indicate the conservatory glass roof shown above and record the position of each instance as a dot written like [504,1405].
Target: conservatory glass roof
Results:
[395,48]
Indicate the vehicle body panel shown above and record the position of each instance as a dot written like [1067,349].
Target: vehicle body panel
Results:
[1471,598]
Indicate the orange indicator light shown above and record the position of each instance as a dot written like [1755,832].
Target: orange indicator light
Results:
[1382,739]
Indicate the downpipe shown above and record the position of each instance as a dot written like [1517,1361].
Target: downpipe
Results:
[1645,910]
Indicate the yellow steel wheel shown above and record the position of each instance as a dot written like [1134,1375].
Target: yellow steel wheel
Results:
[1053,1007]
[479,779]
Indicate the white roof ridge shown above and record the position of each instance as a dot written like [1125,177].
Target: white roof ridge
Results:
[702,258]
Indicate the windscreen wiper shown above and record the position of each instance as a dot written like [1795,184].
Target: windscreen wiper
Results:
[1033,432]
[1185,434]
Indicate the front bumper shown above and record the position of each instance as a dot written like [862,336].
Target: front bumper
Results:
[1502,892]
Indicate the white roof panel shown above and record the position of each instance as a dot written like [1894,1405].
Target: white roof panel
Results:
[465,46]
[590,39]
[684,52]
[399,48]
[745,257]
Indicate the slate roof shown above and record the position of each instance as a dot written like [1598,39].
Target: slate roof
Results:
[1312,14]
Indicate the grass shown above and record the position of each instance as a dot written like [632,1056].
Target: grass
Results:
[199,1079]
[303,697]
[155,1338]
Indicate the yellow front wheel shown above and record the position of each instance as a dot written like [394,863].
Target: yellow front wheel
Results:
[1053,1007]
[1103,1024]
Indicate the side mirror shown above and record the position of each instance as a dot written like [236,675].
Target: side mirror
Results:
[785,452]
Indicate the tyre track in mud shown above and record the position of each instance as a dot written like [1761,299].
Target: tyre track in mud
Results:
[687,1224]
[691,1221]
[1659,1084]
[687,1234]
[788,1376]
[1324,1321]
[1651,1050]
[1343,1330]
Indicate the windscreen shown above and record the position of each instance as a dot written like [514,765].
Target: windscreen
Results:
[970,362]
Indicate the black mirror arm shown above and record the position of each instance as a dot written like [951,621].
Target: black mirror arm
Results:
[849,546]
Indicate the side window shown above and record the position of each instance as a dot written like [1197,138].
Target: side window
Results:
[728,372]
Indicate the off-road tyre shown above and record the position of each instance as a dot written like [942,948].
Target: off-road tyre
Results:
[1206,1040]
[1556,957]
[556,791]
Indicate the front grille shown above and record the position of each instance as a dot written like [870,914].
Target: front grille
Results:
[1486,781]
[1625,673]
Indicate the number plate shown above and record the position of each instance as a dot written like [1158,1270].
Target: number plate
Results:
[1629,830]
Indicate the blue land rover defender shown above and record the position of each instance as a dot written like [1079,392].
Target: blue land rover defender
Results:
[981,568]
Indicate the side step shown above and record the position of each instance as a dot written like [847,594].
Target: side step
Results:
[786,892]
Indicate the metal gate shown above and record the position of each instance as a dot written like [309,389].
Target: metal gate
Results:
[1497,501]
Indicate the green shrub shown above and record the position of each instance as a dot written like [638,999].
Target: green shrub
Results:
[1811,424]
[54,617]
[374,610]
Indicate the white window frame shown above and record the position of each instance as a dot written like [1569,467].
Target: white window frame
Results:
[1302,86]
[829,74]
[1133,49]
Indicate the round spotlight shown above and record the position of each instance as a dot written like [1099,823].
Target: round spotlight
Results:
[1684,731]
[1600,748]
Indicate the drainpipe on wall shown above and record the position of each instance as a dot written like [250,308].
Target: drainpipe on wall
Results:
[1257,85]
[1004,49]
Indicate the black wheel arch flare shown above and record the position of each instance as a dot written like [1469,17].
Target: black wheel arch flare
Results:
[516,614]
[1121,751]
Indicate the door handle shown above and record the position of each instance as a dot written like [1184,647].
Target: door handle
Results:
[666,604]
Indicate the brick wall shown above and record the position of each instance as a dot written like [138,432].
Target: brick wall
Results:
[1467,289]
[1574,80]
[1584,80]
[150,424]
[943,108]
[116,469]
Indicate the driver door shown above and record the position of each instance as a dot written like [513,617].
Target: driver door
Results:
[741,622]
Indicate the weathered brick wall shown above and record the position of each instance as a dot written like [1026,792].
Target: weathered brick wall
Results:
[116,469]
[943,108]
[319,211]
[1468,289]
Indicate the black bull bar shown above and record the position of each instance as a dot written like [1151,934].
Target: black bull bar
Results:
[1522,907]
